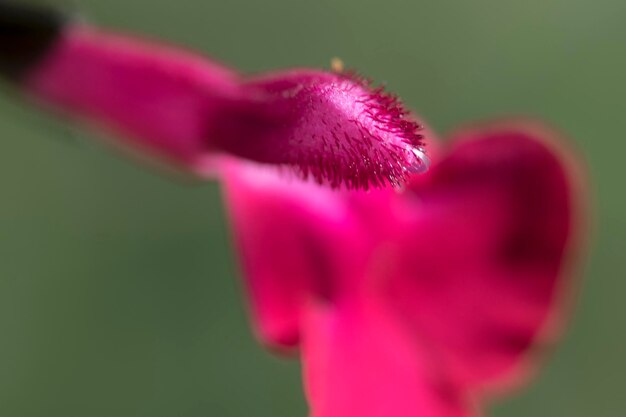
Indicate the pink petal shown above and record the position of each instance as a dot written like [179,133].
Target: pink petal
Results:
[161,100]
[360,360]
[333,127]
[184,109]
[481,269]
[295,243]
[409,303]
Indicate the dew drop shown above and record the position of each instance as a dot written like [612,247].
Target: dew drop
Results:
[418,161]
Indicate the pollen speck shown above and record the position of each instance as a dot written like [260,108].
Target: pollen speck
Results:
[336,65]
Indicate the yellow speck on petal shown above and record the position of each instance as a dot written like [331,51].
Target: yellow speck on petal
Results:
[336,65]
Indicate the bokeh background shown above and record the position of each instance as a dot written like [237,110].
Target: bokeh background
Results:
[119,291]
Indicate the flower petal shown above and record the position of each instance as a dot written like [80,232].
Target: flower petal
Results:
[184,109]
[481,268]
[332,127]
[160,100]
[361,361]
[294,243]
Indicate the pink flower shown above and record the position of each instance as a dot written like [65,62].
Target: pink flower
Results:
[414,302]
[422,302]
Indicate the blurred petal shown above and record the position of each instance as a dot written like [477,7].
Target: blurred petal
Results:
[161,100]
[478,271]
[292,238]
[361,361]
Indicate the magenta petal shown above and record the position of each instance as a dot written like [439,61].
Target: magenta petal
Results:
[185,109]
[481,270]
[161,101]
[332,127]
[360,360]
[291,238]
[410,303]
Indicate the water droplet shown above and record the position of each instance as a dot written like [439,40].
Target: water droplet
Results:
[418,161]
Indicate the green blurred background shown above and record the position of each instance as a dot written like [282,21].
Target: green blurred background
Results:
[119,293]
